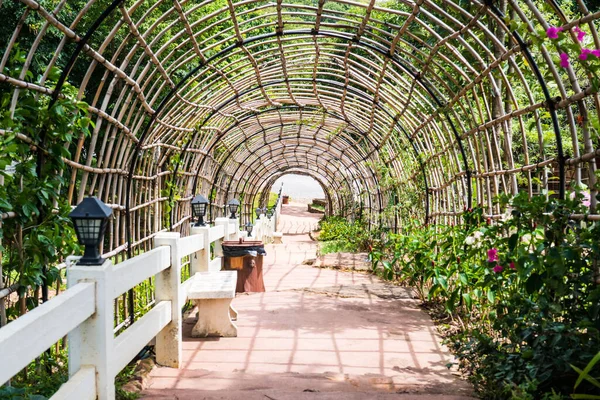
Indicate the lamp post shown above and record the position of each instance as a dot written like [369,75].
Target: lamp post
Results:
[249,228]
[258,211]
[270,212]
[90,219]
[233,206]
[199,206]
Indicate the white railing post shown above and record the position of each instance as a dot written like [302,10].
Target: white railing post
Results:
[168,340]
[224,222]
[200,260]
[256,229]
[263,225]
[234,234]
[92,342]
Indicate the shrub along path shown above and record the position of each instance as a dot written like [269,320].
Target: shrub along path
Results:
[315,334]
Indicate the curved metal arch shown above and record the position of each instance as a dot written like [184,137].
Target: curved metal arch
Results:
[258,187]
[358,93]
[348,184]
[233,98]
[269,183]
[263,130]
[313,33]
[488,3]
[260,157]
[550,101]
[302,108]
[299,171]
[277,157]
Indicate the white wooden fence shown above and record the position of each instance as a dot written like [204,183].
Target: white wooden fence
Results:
[265,227]
[85,313]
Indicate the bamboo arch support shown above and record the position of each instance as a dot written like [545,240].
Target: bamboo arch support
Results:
[225,96]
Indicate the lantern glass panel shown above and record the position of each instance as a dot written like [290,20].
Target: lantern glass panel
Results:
[88,230]
[199,209]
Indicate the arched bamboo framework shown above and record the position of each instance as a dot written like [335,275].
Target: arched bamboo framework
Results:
[456,100]
[322,180]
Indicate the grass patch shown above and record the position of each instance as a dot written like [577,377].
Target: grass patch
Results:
[336,246]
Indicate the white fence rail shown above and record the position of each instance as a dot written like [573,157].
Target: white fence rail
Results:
[265,227]
[85,313]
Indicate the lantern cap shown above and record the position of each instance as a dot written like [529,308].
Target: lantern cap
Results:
[199,199]
[233,202]
[91,207]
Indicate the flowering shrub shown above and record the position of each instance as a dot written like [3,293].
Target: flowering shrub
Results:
[523,290]
[556,34]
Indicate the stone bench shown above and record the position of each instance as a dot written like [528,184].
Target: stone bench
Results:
[212,292]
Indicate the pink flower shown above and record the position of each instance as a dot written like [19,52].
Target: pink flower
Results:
[586,199]
[584,54]
[492,255]
[512,265]
[498,268]
[596,53]
[564,60]
[580,33]
[552,32]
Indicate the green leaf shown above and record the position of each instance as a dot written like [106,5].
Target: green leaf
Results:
[468,299]
[512,241]
[491,295]
[585,373]
[29,210]
[534,283]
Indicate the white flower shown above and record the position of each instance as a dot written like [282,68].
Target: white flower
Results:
[470,240]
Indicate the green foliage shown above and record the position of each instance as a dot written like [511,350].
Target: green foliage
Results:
[272,199]
[339,234]
[336,246]
[49,372]
[31,161]
[584,375]
[522,289]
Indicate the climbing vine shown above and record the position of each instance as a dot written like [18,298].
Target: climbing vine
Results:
[34,142]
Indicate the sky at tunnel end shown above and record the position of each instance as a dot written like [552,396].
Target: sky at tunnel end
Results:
[299,187]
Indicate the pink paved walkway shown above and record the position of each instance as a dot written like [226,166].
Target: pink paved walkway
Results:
[315,334]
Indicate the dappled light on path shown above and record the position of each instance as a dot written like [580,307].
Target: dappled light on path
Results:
[314,331]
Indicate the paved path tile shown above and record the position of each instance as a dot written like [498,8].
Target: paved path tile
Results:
[315,334]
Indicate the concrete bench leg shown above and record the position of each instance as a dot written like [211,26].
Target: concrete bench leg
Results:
[214,319]
[233,314]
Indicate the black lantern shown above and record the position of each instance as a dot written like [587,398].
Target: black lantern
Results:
[90,219]
[199,206]
[264,210]
[270,212]
[233,206]
[258,211]
[249,228]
